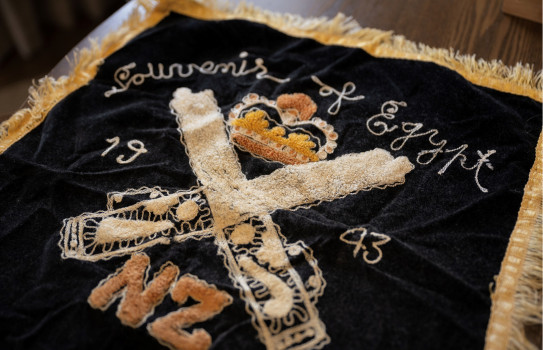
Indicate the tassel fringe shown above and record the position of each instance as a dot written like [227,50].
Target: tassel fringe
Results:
[520,79]
[516,303]
[506,328]
[527,311]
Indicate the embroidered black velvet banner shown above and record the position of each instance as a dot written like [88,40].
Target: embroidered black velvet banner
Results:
[392,259]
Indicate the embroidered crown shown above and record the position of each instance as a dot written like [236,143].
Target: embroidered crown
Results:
[253,130]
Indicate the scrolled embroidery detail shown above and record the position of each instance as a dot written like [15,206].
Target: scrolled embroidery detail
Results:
[124,77]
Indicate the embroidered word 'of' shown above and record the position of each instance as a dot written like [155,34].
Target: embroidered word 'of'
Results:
[378,240]
[378,127]
[327,90]
[124,77]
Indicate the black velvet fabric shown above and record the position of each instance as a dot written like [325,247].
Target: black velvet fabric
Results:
[430,290]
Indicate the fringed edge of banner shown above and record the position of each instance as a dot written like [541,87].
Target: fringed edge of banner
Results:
[510,311]
[527,310]
[516,302]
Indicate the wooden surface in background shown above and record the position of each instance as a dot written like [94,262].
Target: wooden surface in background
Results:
[469,26]
[529,9]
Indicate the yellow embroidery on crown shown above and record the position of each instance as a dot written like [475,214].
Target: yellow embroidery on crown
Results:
[254,121]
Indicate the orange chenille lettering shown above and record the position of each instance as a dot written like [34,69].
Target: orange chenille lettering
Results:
[168,330]
[138,299]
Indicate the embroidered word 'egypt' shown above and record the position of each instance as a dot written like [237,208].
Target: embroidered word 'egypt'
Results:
[377,126]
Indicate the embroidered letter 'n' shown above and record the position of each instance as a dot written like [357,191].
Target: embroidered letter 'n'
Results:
[129,283]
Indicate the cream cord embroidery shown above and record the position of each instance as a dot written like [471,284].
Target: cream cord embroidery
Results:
[377,126]
[124,78]
[483,159]
[135,145]
[114,142]
[327,90]
[359,243]
[158,217]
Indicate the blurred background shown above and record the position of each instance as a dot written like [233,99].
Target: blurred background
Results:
[36,34]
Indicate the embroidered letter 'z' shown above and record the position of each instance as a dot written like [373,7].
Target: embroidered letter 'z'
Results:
[168,329]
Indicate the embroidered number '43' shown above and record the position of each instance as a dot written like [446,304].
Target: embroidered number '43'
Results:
[135,145]
[139,299]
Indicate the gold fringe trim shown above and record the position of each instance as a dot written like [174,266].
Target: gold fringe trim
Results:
[527,311]
[516,303]
[517,299]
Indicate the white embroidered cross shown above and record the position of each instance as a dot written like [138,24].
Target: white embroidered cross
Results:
[233,199]
[240,216]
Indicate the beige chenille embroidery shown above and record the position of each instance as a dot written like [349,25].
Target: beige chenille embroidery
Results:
[236,212]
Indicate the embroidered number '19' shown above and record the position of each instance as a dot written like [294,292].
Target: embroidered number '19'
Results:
[135,145]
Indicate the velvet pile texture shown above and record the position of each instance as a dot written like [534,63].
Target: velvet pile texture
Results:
[448,225]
